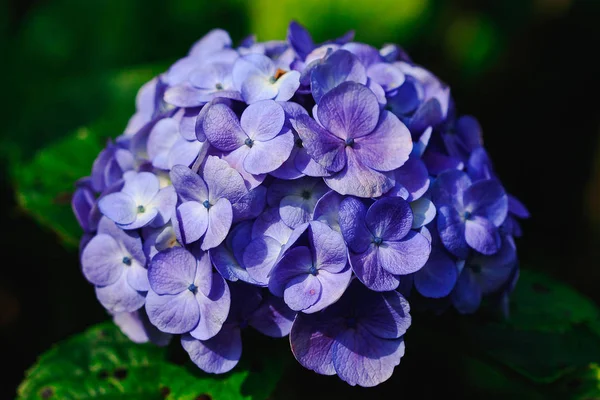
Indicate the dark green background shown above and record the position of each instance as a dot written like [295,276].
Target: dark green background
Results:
[528,69]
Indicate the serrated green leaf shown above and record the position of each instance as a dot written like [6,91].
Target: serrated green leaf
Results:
[102,363]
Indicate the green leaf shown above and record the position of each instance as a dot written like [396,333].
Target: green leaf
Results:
[44,186]
[552,330]
[102,363]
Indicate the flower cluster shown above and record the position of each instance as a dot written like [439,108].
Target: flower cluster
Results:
[296,188]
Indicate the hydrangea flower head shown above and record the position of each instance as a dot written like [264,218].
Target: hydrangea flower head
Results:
[300,189]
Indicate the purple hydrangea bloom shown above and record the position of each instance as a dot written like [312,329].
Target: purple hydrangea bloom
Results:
[310,278]
[115,263]
[249,307]
[258,139]
[140,202]
[381,242]
[359,338]
[186,295]
[355,142]
[469,214]
[295,187]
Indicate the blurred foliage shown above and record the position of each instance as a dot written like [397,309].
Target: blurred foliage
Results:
[102,363]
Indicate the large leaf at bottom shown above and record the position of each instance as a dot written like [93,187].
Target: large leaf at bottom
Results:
[102,363]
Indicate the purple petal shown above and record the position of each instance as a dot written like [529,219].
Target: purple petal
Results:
[497,269]
[142,187]
[223,181]
[437,277]
[451,227]
[487,199]
[82,203]
[258,87]
[227,257]
[213,309]
[236,159]
[356,179]
[222,128]
[329,247]
[188,184]
[161,139]
[302,291]
[220,217]
[120,297]
[260,257]
[269,224]
[300,40]
[164,203]
[250,205]
[137,277]
[333,286]
[412,180]
[172,271]
[267,156]
[187,125]
[296,262]
[482,235]
[263,120]
[136,326]
[102,260]
[466,296]
[193,220]
[389,218]
[119,207]
[367,55]
[173,313]
[352,215]
[288,169]
[517,208]
[186,95]
[307,166]
[325,148]
[363,359]
[339,67]
[251,65]
[273,318]
[212,42]
[312,340]
[405,256]
[368,270]
[438,163]
[130,240]
[287,85]
[350,110]
[185,152]
[423,212]
[385,315]
[448,188]
[327,209]
[217,355]
[388,147]
[386,75]
[158,239]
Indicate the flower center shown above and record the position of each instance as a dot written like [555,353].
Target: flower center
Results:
[141,209]
[206,204]
[278,74]
[249,142]
[305,194]
[193,288]
[377,240]
[467,215]
[349,142]
[218,86]
[313,270]
[299,143]
[127,261]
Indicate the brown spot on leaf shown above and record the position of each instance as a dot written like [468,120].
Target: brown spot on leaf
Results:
[204,396]
[120,373]
[165,391]
[62,198]
[46,393]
